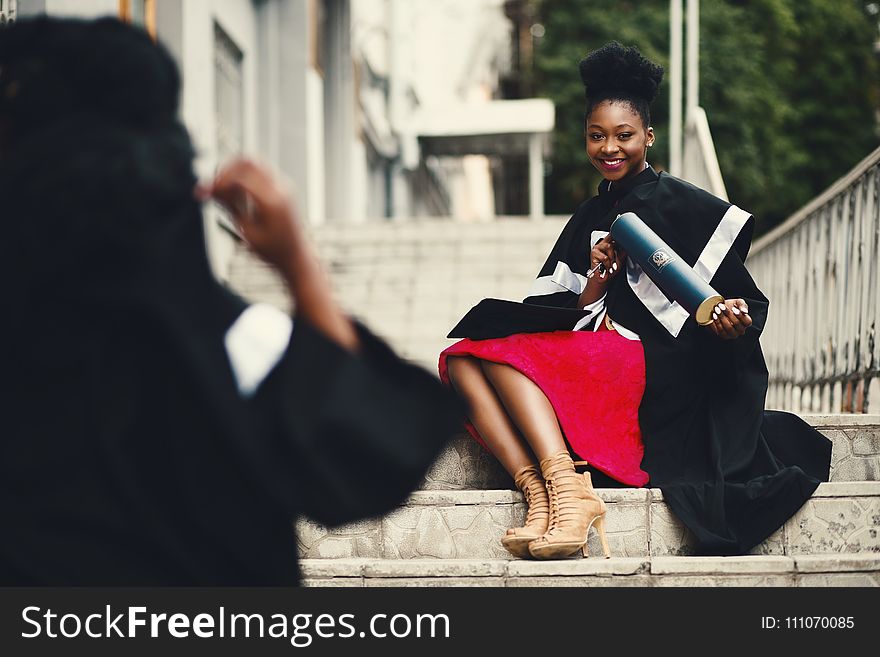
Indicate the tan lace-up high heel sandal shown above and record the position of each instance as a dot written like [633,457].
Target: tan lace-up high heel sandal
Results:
[517,540]
[574,508]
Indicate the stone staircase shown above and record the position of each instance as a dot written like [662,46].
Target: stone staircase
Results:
[448,532]
[410,283]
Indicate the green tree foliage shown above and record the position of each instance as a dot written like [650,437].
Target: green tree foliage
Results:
[789,86]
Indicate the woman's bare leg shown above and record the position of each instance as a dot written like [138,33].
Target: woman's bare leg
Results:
[528,407]
[488,414]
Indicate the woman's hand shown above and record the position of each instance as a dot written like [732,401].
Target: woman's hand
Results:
[730,319]
[611,258]
[261,207]
[265,214]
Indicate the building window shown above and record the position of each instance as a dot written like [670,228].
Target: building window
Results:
[228,105]
[7,12]
[139,12]
[228,95]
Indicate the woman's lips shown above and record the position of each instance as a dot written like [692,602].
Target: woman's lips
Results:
[612,164]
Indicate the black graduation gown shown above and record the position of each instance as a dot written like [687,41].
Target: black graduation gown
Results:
[130,458]
[732,472]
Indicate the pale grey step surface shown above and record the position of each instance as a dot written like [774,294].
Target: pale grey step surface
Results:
[840,518]
[410,282]
[765,570]
[855,456]
[856,452]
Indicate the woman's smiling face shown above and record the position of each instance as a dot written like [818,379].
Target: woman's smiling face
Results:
[617,140]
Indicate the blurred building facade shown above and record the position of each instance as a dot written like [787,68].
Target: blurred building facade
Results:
[373,109]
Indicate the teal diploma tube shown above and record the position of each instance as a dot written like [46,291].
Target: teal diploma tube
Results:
[665,267]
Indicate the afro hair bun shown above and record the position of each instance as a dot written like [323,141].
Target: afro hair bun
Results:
[614,70]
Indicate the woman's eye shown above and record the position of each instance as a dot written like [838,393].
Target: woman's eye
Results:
[596,136]
[624,135]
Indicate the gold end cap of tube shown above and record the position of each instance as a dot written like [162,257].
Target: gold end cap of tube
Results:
[704,311]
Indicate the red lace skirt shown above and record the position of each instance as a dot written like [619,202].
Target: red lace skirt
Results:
[595,382]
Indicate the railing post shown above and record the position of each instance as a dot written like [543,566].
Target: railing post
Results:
[536,176]
[675,87]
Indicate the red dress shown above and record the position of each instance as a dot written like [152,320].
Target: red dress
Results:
[594,381]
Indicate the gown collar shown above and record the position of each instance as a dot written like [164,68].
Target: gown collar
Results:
[619,188]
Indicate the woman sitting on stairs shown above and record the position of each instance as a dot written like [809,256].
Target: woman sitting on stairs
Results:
[638,389]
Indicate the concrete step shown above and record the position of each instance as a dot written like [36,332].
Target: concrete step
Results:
[412,281]
[501,231]
[840,518]
[761,571]
[855,455]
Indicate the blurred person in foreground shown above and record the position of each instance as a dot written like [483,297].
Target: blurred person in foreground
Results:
[158,429]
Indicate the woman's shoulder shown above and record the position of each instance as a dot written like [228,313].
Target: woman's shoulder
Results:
[591,212]
[584,206]
[583,213]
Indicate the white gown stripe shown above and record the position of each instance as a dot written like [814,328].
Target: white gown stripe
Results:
[592,309]
[671,315]
[545,285]
[255,343]
[562,280]
[719,244]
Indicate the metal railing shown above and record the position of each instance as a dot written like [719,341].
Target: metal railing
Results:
[700,163]
[820,271]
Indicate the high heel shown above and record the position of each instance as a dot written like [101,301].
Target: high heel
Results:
[517,540]
[574,508]
[599,523]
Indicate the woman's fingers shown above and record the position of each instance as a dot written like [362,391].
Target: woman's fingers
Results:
[737,306]
[202,191]
[598,256]
[730,319]
[726,326]
[737,311]
[606,254]
[234,188]
[260,206]
[247,189]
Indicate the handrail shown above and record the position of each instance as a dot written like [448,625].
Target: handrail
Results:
[700,163]
[823,198]
[820,271]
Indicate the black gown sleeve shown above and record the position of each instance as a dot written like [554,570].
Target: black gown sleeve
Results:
[356,431]
[571,248]
[732,280]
